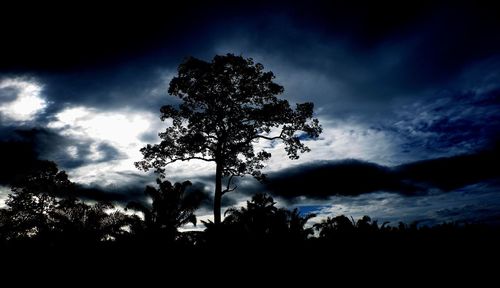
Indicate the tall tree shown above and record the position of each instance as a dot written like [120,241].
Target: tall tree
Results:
[228,104]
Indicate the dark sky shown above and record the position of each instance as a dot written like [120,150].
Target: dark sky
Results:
[408,95]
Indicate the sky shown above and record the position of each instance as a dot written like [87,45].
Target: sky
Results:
[408,96]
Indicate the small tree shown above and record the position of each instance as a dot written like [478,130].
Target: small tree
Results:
[227,105]
[171,208]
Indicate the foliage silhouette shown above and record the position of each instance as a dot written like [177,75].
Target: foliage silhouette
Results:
[80,222]
[43,215]
[171,208]
[32,205]
[261,222]
[227,105]
[42,207]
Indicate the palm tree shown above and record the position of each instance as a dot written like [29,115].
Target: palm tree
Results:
[171,208]
[262,220]
[296,225]
[335,226]
[81,222]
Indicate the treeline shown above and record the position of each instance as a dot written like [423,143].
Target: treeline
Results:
[42,209]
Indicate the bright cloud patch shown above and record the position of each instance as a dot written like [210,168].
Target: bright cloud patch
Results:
[120,129]
[22,101]
[4,192]
[340,140]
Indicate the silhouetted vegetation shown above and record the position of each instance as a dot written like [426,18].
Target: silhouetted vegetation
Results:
[170,209]
[228,105]
[260,222]
[42,210]
[43,223]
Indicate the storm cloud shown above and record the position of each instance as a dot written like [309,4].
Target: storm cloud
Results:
[353,177]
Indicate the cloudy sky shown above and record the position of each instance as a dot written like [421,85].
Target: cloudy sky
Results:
[408,96]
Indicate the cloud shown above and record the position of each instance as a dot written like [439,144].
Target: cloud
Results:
[20,99]
[452,123]
[477,203]
[353,177]
[118,127]
[325,179]
[119,196]
[137,85]
[17,158]
[450,173]
[111,139]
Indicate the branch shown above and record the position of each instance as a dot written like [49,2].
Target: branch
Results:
[267,138]
[189,158]
[270,138]
[228,189]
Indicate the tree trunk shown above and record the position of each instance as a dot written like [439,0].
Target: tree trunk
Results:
[218,194]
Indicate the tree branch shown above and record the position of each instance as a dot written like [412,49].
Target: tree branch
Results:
[228,189]
[270,138]
[189,158]
[267,138]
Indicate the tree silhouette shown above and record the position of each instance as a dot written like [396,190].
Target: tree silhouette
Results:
[296,225]
[42,207]
[83,223]
[171,208]
[338,225]
[262,222]
[33,202]
[228,104]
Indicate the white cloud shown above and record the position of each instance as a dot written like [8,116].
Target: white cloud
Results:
[4,194]
[28,102]
[122,129]
[118,127]
[341,140]
[72,151]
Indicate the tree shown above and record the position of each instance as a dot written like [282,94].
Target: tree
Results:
[261,221]
[32,205]
[84,223]
[228,104]
[339,225]
[171,208]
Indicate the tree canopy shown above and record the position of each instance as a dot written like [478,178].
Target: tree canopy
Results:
[228,105]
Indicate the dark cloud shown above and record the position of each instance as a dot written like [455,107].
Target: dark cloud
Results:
[205,185]
[354,177]
[376,50]
[77,36]
[452,122]
[450,173]
[120,195]
[140,86]
[50,145]
[22,148]
[470,214]
[8,94]
[18,157]
[135,192]
[325,179]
